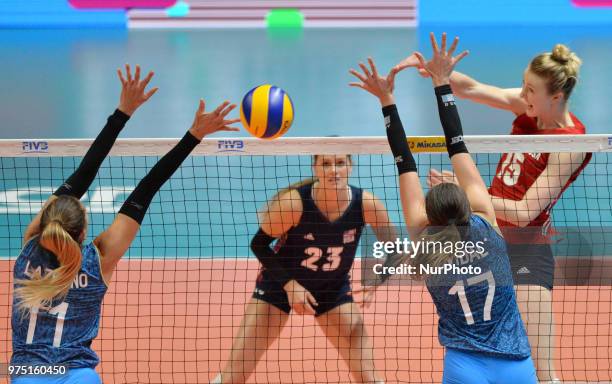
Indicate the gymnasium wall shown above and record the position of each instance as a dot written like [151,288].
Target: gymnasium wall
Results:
[251,13]
[202,13]
[515,12]
[56,14]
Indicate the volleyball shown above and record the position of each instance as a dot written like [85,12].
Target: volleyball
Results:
[266,112]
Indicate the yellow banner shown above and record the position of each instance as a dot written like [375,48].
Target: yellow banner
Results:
[427,144]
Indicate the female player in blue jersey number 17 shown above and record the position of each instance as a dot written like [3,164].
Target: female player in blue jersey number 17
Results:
[480,325]
[59,283]
[318,224]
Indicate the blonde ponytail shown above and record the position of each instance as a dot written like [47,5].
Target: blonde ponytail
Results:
[42,288]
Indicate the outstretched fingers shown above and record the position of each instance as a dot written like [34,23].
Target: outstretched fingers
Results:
[365,70]
[148,95]
[121,78]
[128,71]
[460,56]
[434,43]
[451,51]
[373,66]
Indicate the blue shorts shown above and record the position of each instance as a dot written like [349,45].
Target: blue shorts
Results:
[74,376]
[461,367]
[272,292]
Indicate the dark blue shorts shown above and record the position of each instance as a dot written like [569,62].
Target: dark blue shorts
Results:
[272,292]
[532,264]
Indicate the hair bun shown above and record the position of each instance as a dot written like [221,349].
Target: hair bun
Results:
[561,54]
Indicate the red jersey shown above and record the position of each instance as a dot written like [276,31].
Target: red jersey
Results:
[516,172]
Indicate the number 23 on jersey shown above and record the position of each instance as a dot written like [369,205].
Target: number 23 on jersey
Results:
[317,260]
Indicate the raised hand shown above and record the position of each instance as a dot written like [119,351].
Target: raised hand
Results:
[442,64]
[372,82]
[205,123]
[435,177]
[133,93]
[411,61]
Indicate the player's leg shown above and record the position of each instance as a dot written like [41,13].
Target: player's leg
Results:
[535,305]
[502,371]
[462,367]
[345,329]
[533,269]
[260,326]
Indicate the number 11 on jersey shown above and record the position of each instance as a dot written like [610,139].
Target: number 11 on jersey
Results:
[60,311]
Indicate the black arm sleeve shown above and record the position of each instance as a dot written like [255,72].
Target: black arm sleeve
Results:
[138,202]
[78,183]
[397,140]
[260,245]
[449,117]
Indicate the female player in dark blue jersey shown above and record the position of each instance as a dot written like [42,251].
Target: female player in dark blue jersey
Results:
[480,325]
[318,224]
[59,282]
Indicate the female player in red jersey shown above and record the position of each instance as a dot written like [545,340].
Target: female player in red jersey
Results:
[526,186]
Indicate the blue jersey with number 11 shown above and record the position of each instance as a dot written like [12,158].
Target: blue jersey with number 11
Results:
[60,334]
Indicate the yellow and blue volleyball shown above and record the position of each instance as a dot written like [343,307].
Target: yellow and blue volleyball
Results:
[266,112]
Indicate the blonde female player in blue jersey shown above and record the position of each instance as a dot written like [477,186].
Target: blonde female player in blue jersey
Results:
[480,325]
[317,225]
[60,282]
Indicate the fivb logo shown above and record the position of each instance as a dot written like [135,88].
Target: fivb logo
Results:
[35,147]
[230,146]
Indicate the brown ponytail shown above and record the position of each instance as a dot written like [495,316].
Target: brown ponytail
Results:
[62,223]
[432,255]
[448,212]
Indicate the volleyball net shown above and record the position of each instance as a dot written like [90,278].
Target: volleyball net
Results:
[178,296]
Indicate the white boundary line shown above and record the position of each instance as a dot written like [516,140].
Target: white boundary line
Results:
[310,145]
